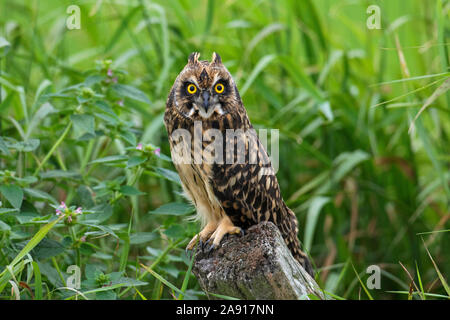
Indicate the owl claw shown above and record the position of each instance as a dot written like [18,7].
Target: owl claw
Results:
[205,246]
[210,248]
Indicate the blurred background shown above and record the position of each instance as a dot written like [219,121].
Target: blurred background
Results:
[368,187]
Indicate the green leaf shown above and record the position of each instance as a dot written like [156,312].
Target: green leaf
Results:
[105,229]
[143,237]
[4,226]
[3,147]
[50,273]
[41,195]
[13,194]
[25,217]
[26,180]
[105,117]
[93,79]
[45,249]
[106,295]
[83,125]
[25,146]
[169,175]
[7,210]
[262,63]
[174,209]
[53,174]
[4,47]
[301,79]
[129,137]
[346,161]
[110,159]
[102,213]
[175,231]
[107,113]
[84,198]
[130,92]
[325,108]
[135,161]
[314,209]
[42,113]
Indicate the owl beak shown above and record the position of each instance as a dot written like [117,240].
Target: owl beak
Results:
[205,95]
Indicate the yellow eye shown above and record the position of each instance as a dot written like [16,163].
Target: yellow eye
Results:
[219,88]
[191,88]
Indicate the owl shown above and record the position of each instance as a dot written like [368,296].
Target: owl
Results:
[224,169]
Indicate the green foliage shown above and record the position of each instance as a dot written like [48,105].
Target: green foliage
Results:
[85,173]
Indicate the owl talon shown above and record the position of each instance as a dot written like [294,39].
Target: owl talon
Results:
[224,228]
[206,244]
[210,248]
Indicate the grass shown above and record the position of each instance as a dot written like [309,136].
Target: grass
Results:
[363,117]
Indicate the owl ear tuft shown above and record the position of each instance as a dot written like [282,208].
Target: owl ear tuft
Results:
[216,58]
[193,57]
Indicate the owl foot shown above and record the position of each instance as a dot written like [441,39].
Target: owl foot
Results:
[225,227]
[202,236]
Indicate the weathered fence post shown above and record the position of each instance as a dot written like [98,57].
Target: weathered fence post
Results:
[256,266]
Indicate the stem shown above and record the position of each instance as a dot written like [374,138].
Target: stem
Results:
[77,250]
[52,150]
[87,155]
[132,181]
[60,160]
[59,272]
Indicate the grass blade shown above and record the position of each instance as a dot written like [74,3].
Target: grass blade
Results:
[160,278]
[37,281]
[362,284]
[441,277]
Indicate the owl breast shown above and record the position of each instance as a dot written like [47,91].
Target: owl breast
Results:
[195,170]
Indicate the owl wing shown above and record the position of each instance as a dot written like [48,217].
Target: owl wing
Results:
[246,185]
[249,193]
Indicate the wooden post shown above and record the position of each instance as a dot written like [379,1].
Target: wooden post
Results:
[256,266]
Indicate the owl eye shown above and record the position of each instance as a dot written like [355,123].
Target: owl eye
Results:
[219,88]
[191,88]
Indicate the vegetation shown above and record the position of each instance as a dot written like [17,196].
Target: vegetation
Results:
[85,173]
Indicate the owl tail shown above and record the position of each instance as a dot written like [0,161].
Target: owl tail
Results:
[304,262]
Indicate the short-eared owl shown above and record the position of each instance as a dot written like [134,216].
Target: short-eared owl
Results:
[232,188]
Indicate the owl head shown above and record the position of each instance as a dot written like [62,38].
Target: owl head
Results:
[204,90]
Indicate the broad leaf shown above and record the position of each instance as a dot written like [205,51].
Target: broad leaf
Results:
[174,209]
[13,194]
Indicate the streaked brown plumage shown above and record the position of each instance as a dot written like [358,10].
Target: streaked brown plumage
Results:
[228,196]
